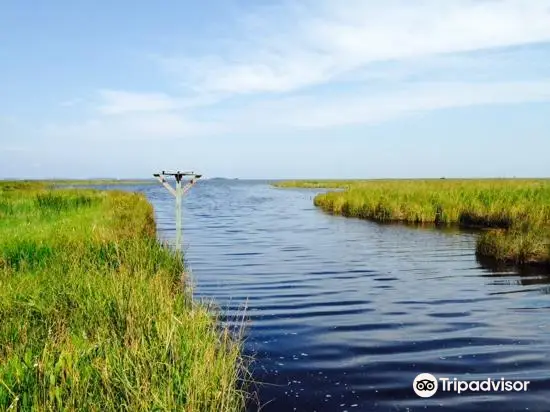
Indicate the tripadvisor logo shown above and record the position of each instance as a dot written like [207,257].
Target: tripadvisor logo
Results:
[426,385]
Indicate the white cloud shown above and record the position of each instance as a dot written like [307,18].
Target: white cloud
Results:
[361,108]
[371,45]
[117,102]
[71,102]
[303,112]
[295,47]
[131,127]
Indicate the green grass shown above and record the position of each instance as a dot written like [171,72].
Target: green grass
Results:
[317,184]
[82,182]
[95,314]
[521,207]
[96,182]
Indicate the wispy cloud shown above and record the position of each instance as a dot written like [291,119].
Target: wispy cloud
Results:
[292,47]
[303,112]
[71,102]
[360,107]
[131,127]
[328,63]
[116,102]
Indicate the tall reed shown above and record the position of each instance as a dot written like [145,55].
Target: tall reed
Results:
[95,314]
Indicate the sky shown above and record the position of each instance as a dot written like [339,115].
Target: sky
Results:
[275,89]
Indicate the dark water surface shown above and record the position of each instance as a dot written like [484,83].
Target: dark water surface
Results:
[345,313]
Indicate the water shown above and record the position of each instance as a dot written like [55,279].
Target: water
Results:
[343,313]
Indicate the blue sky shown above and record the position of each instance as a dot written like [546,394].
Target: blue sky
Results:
[275,89]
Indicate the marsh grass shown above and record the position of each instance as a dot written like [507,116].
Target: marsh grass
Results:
[94,314]
[99,182]
[318,184]
[58,203]
[516,246]
[519,207]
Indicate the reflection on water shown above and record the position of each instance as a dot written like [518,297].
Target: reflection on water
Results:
[537,277]
[345,313]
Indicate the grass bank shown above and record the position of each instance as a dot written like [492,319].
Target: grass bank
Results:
[98,182]
[517,211]
[94,313]
[81,182]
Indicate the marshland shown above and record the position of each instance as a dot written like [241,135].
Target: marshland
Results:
[341,313]
[517,211]
[96,314]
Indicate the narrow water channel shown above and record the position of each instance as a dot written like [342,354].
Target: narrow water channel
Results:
[343,314]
